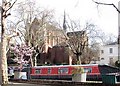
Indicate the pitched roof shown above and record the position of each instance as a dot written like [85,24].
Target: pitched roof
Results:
[113,43]
[75,33]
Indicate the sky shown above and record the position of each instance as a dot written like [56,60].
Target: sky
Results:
[105,17]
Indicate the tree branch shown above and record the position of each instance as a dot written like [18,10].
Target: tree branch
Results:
[99,3]
[11,5]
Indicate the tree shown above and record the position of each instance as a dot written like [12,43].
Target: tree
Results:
[82,39]
[6,6]
[110,38]
[32,22]
[23,54]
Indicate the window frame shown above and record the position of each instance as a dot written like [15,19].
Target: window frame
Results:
[102,51]
[38,71]
[63,70]
[49,70]
[110,50]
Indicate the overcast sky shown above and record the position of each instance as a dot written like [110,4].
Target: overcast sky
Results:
[105,17]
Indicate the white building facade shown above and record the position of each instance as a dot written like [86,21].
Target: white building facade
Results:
[109,54]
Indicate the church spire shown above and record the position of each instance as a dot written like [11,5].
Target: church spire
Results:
[64,22]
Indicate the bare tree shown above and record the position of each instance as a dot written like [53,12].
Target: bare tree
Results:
[110,38]
[6,6]
[32,22]
[81,39]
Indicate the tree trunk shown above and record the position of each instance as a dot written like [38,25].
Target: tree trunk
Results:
[3,62]
[3,59]
[78,59]
[31,60]
[70,60]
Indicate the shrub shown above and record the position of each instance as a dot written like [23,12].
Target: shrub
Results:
[77,70]
[117,63]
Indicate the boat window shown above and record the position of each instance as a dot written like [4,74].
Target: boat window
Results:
[63,71]
[88,70]
[37,71]
[49,70]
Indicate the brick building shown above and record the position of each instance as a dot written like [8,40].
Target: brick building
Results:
[48,35]
[53,42]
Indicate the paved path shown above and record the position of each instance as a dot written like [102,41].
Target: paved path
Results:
[23,84]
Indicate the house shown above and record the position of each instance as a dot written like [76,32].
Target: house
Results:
[109,53]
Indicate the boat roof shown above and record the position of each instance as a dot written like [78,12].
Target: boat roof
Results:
[65,65]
